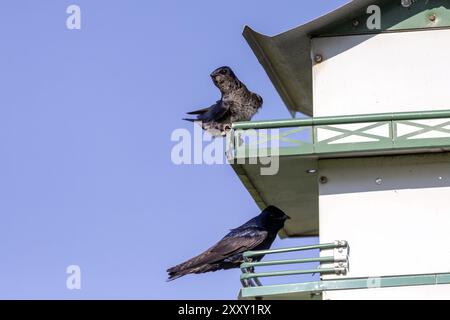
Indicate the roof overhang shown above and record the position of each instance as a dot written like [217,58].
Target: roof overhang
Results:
[298,146]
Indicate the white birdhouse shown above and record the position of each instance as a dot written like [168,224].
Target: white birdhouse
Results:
[371,166]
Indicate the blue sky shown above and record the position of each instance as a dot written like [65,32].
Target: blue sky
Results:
[85,123]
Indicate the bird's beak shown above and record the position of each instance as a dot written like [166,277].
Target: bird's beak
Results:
[214,78]
[286,217]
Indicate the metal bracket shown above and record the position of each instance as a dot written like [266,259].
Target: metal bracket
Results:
[341,254]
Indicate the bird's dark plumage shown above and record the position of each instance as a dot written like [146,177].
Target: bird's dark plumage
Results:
[256,234]
[236,104]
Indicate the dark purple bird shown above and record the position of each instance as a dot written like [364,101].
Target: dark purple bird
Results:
[257,234]
[236,104]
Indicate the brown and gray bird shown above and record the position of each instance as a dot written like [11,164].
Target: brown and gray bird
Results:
[256,234]
[236,104]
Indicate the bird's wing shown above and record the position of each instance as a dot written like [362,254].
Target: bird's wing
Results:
[239,242]
[213,113]
[201,111]
[235,243]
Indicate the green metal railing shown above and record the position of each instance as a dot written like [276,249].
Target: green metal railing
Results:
[321,121]
[308,290]
[369,133]
[339,260]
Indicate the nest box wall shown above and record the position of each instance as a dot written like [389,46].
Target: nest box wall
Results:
[365,57]
[388,72]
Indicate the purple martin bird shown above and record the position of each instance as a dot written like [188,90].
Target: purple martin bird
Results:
[236,104]
[256,234]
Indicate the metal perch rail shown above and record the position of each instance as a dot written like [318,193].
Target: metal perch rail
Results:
[339,259]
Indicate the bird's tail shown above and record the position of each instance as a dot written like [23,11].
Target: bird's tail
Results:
[175,274]
[182,270]
[190,267]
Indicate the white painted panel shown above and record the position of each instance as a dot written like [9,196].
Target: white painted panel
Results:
[389,72]
[332,131]
[437,128]
[397,227]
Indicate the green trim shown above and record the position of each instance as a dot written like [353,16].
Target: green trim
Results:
[246,276]
[251,254]
[247,265]
[346,284]
[394,18]
[323,121]
[379,134]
